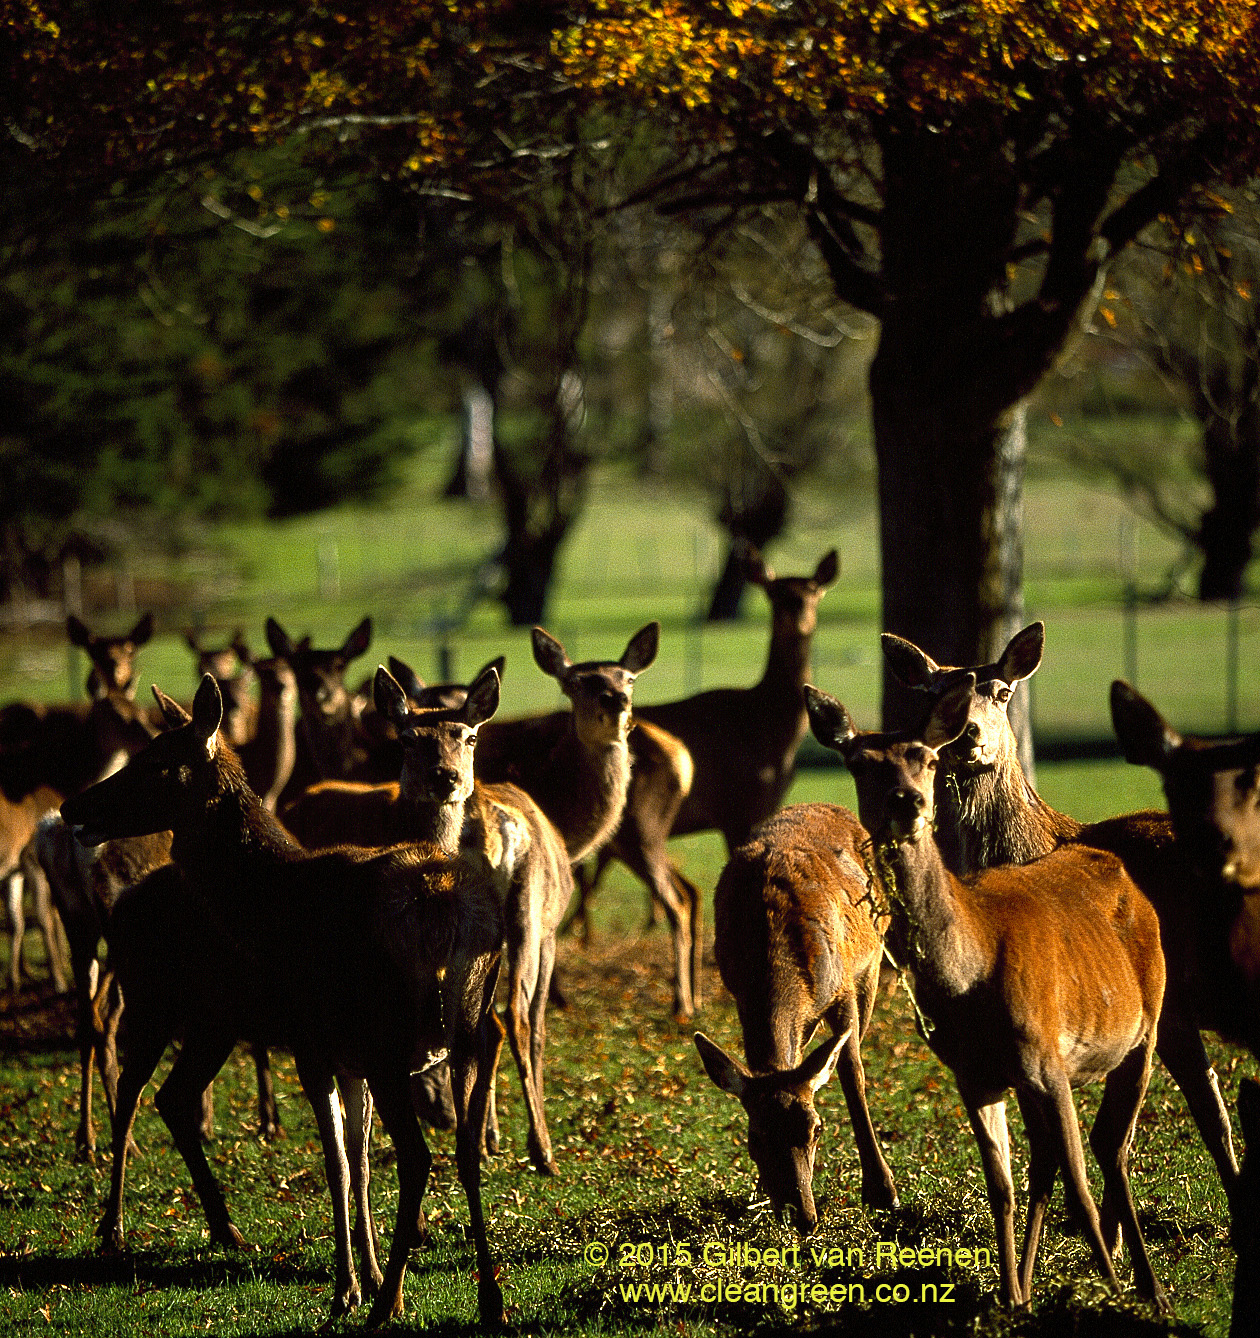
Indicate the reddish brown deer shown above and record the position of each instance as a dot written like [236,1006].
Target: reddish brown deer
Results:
[798,947]
[232,667]
[742,744]
[990,815]
[439,802]
[381,964]
[113,657]
[270,754]
[1041,977]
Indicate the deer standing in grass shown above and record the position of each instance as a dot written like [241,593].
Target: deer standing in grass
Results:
[1041,977]
[381,963]
[990,815]
[740,746]
[439,801]
[798,948]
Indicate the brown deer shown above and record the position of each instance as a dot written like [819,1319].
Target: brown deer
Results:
[797,946]
[232,667]
[270,754]
[381,963]
[439,802]
[989,815]
[422,694]
[1041,977]
[67,751]
[742,744]
[113,657]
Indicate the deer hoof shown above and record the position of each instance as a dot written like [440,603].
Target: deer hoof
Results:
[490,1303]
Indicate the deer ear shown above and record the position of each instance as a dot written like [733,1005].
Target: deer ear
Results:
[642,649]
[172,712]
[949,715]
[207,712]
[406,677]
[498,664]
[828,569]
[549,654]
[729,1074]
[1023,654]
[357,642]
[241,647]
[1145,736]
[818,1066]
[483,697]
[279,641]
[910,665]
[77,631]
[755,569]
[831,723]
[389,698]
[142,631]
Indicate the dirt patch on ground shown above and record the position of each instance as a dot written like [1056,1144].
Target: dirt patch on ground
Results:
[36,1018]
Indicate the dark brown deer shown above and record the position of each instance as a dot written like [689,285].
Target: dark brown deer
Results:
[798,947]
[1041,977]
[989,815]
[742,744]
[381,964]
[113,657]
[232,667]
[270,754]
[439,802]
[421,694]
[1245,1229]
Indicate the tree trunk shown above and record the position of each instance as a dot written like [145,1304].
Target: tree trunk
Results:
[1231,449]
[951,524]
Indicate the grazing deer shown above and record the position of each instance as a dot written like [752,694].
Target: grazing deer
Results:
[797,946]
[439,802]
[380,964]
[742,744]
[1041,977]
[989,815]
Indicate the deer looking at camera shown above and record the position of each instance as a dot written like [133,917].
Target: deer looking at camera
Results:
[1041,977]
[741,744]
[798,947]
[989,815]
[381,963]
[439,801]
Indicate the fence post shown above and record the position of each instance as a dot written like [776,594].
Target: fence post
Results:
[1231,668]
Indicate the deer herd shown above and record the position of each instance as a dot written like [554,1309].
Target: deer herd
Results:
[391,852]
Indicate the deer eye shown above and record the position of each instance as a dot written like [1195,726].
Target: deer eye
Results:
[1003,696]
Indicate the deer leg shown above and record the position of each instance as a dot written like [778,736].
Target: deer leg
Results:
[878,1189]
[538,1021]
[1066,1129]
[472,1070]
[1043,1169]
[268,1111]
[143,1051]
[585,881]
[179,1100]
[45,916]
[392,1097]
[523,979]
[645,856]
[17,920]
[988,1123]
[358,1103]
[321,1091]
[1179,1044]
[1111,1138]
[86,985]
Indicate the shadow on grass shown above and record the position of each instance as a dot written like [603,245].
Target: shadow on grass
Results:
[150,1269]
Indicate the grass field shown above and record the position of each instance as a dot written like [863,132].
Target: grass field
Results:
[651,1154]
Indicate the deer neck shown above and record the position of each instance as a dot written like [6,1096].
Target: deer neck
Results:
[428,821]
[585,785]
[932,920]
[787,668]
[994,816]
[272,753]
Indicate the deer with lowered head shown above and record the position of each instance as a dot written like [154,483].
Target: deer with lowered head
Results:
[740,743]
[799,949]
[381,963]
[1039,977]
[439,801]
[988,814]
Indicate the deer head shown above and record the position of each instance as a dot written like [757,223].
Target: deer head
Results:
[113,657]
[599,689]
[321,674]
[1212,785]
[793,599]
[987,736]
[895,773]
[783,1127]
[437,742]
[162,782]
[232,667]
[421,694]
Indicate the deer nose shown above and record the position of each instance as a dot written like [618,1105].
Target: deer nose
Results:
[972,732]
[444,779]
[615,701]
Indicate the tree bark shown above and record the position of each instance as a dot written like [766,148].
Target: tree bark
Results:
[1231,449]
